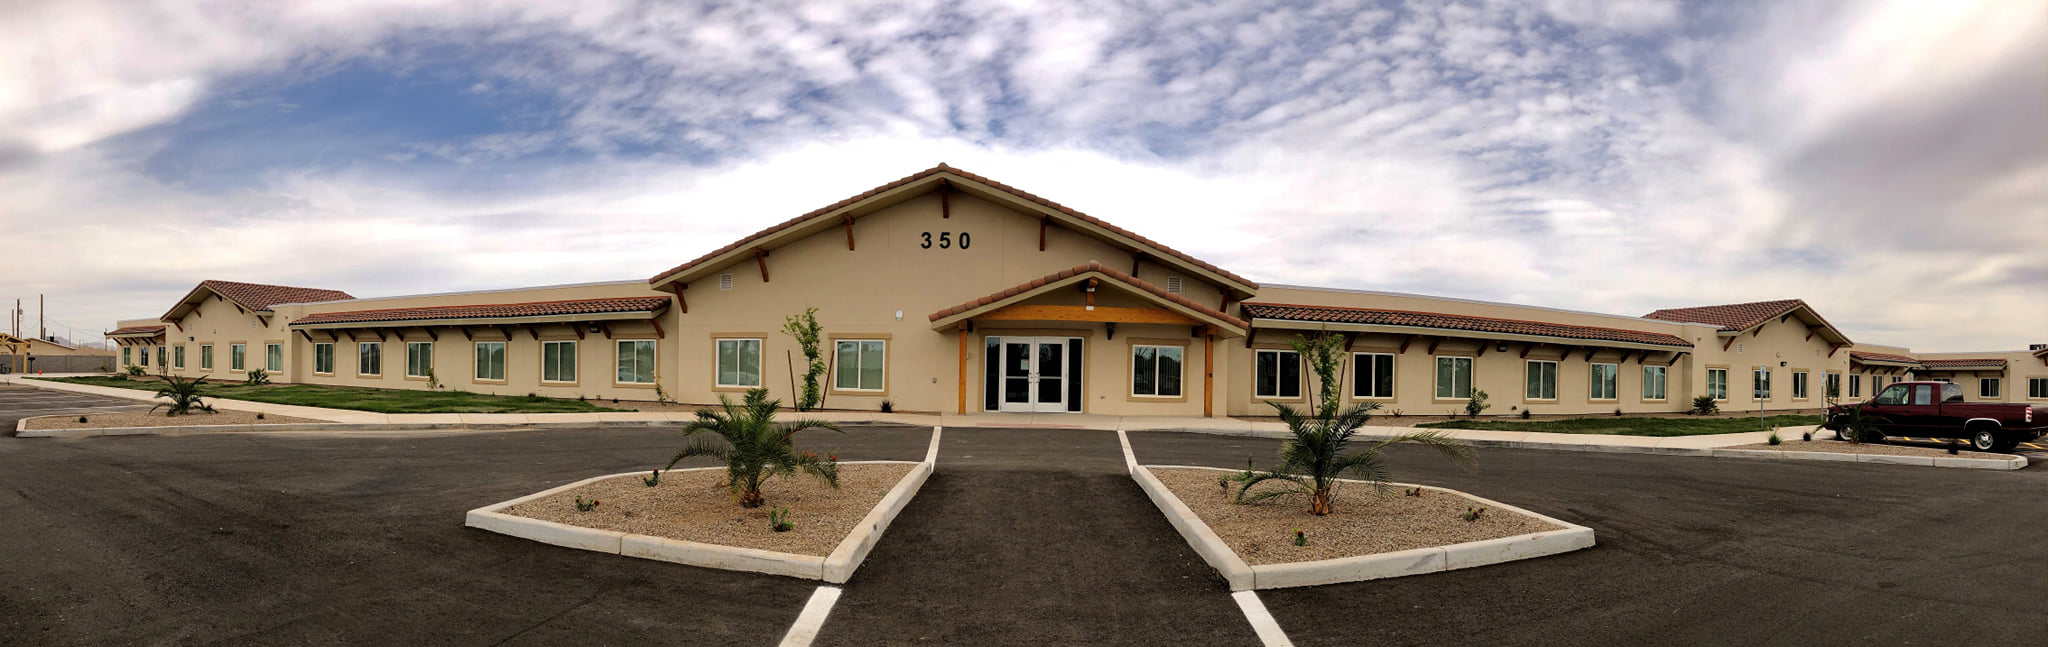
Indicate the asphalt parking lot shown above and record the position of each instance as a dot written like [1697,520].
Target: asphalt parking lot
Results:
[17,402]
[1021,537]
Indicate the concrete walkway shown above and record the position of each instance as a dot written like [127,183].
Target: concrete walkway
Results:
[1221,426]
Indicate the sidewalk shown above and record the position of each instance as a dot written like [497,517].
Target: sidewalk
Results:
[1220,426]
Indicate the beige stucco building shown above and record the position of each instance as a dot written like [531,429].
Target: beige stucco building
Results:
[948,291]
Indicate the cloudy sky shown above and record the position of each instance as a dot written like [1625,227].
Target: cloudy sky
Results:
[1885,161]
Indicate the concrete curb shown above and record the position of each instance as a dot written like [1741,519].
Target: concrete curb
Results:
[1569,537]
[2010,463]
[836,568]
[1595,444]
[23,432]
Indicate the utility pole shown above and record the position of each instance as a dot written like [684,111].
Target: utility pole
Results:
[42,319]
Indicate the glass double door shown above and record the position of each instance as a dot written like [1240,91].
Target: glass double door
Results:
[1034,373]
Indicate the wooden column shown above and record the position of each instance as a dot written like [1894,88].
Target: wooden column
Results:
[963,368]
[1209,374]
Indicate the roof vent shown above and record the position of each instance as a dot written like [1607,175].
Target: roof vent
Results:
[725,281]
[1173,284]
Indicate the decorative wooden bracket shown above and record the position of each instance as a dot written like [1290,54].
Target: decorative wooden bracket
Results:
[1041,231]
[606,329]
[1809,332]
[1528,347]
[1674,359]
[531,330]
[1730,342]
[504,330]
[683,305]
[849,230]
[1787,317]
[658,332]
[429,330]
[1405,342]
[1568,353]
[761,258]
[1834,348]
[264,320]
[309,338]
[1249,334]
[1433,342]
[945,200]
[351,335]
[1483,344]
[465,333]
[1136,259]
[578,328]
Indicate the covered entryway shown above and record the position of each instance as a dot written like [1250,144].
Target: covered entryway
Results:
[1039,342]
[1033,374]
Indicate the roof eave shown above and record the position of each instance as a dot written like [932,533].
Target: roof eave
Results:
[480,321]
[1231,329]
[1295,324]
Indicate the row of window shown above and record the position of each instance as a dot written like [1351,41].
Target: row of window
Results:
[1277,374]
[858,364]
[635,360]
[273,356]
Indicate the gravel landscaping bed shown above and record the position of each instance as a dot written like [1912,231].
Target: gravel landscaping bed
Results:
[1839,447]
[1365,522]
[101,420]
[696,506]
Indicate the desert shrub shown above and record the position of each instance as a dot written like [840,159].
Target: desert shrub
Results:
[1774,439]
[778,520]
[1319,451]
[1704,405]
[585,506]
[1476,404]
[136,371]
[804,328]
[888,406]
[1472,514]
[652,479]
[257,377]
[183,395]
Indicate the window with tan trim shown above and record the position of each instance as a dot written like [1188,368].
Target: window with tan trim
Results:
[323,358]
[1453,378]
[1799,381]
[419,358]
[490,361]
[861,364]
[369,359]
[273,358]
[558,361]
[1855,386]
[1603,382]
[1987,387]
[1156,370]
[1653,383]
[636,359]
[127,355]
[2037,388]
[206,357]
[1541,381]
[739,363]
[1717,384]
[178,356]
[1372,376]
[1276,374]
[238,357]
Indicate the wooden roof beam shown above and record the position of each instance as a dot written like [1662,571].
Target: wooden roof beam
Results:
[761,259]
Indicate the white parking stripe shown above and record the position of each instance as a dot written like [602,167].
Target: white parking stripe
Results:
[812,619]
[1262,622]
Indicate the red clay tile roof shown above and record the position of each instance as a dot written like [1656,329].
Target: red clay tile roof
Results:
[942,168]
[1328,314]
[1862,356]
[257,296]
[137,330]
[1962,363]
[1094,268]
[1735,316]
[491,311]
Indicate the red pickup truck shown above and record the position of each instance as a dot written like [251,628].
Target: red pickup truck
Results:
[1913,409]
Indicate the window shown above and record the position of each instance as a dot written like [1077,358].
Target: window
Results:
[370,358]
[323,358]
[1717,383]
[238,357]
[206,357]
[145,355]
[1653,383]
[1831,384]
[2037,387]
[636,362]
[1987,387]
[1799,385]
[558,361]
[1760,384]
[273,358]
[419,358]
[160,356]
[490,360]
[178,356]
[1155,370]
[127,356]
[1277,374]
[1453,378]
[1895,395]
[1372,375]
[860,364]
[1855,386]
[739,362]
[1542,381]
[1603,382]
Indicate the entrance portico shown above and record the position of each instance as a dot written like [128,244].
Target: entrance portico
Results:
[1051,345]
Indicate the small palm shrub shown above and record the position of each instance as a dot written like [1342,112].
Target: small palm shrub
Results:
[1774,439]
[585,506]
[257,377]
[136,371]
[1704,405]
[778,520]
[183,395]
[1476,404]
[1320,451]
[1300,538]
[1472,514]
[888,406]
[652,479]
[754,446]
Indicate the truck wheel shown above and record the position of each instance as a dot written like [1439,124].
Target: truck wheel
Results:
[1984,440]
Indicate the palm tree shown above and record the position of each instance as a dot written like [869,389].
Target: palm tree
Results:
[1316,456]
[183,395]
[755,447]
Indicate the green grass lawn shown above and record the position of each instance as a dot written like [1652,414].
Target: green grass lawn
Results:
[360,399]
[1631,426]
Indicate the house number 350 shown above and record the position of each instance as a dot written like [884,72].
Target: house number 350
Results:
[945,240]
